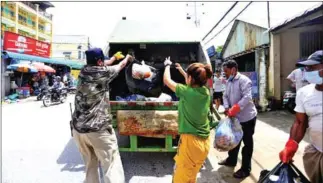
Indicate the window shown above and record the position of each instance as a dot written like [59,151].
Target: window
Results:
[310,42]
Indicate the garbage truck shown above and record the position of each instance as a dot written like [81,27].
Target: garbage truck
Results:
[150,126]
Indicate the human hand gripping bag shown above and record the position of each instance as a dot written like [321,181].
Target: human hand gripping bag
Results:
[283,173]
[228,134]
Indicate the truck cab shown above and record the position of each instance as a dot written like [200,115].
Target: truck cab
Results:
[152,42]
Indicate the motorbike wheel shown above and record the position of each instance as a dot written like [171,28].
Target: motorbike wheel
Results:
[39,97]
[47,100]
[63,98]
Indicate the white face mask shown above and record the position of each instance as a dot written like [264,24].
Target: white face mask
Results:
[314,77]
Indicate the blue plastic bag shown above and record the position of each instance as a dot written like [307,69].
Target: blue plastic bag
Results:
[228,134]
[132,97]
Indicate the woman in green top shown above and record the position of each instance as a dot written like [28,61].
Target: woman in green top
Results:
[193,122]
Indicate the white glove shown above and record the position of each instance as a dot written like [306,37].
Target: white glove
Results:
[167,61]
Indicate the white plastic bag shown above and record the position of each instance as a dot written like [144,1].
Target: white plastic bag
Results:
[164,98]
[228,134]
[141,71]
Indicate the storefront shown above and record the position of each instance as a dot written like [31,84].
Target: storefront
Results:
[17,49]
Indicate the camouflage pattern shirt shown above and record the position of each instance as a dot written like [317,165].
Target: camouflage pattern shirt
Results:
[92,109]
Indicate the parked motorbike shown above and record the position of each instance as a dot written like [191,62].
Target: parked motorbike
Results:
[289,101]
[55,96]
[42,93]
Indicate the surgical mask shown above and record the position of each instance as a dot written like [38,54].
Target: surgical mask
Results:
[314,77]
[230,78]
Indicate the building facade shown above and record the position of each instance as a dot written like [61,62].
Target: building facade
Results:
[248,45]
[295,39]
[28,19]
[70,47]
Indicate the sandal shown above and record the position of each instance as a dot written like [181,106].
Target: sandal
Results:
[241,174]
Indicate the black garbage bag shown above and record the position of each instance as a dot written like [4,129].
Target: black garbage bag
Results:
[283,173]
[151,88]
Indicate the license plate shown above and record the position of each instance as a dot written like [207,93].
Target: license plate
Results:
[285,100]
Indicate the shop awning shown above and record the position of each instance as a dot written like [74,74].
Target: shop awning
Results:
[19,56]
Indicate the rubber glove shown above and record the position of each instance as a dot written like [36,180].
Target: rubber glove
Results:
[288,153]
[119,55]
[234,110]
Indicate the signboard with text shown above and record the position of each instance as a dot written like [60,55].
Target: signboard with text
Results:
[254,79]
[20,44]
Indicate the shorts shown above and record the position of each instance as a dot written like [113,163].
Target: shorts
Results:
[217,95]
[313,164]
[191,154]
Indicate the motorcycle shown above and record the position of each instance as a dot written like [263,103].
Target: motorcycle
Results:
[289,101]
[55,96]
[42,93]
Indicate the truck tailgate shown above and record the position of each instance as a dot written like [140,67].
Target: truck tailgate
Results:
[148,119]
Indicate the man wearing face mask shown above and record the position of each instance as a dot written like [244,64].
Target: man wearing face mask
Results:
[237,100]
[309,115]
[297,77]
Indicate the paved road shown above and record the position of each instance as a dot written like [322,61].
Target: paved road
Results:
[37,148]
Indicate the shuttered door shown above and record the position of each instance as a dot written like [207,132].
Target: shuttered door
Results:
[310,42]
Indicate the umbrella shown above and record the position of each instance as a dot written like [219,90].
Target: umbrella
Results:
[42,67]
[23,68]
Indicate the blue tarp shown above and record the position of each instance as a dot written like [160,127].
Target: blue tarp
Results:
[18,56]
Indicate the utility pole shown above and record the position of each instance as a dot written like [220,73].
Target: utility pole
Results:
[196,14]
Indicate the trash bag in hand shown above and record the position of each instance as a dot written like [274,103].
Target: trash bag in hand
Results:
[283,173]
[228,134]
[141,71]
[148,87]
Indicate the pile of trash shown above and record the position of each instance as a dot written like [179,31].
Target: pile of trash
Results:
[135,97]
[13,98]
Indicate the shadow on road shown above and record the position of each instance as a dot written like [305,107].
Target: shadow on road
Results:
[71,158]
[134,164]
[147,164]
[223,172]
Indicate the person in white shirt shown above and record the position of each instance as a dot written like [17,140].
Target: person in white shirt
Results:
[218,87]
[297,77]
[309,116]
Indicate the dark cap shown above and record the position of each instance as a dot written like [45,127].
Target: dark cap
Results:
[93,55]
[315,58]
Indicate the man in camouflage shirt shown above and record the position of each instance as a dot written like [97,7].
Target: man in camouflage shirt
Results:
[92,120]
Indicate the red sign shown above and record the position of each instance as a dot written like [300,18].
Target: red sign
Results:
[25,45]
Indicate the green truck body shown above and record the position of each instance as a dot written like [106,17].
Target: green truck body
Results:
[152,43]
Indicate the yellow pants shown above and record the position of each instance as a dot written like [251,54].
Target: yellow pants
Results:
[191,154]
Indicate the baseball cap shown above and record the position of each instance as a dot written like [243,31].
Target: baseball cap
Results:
[93,54]
[315,58]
